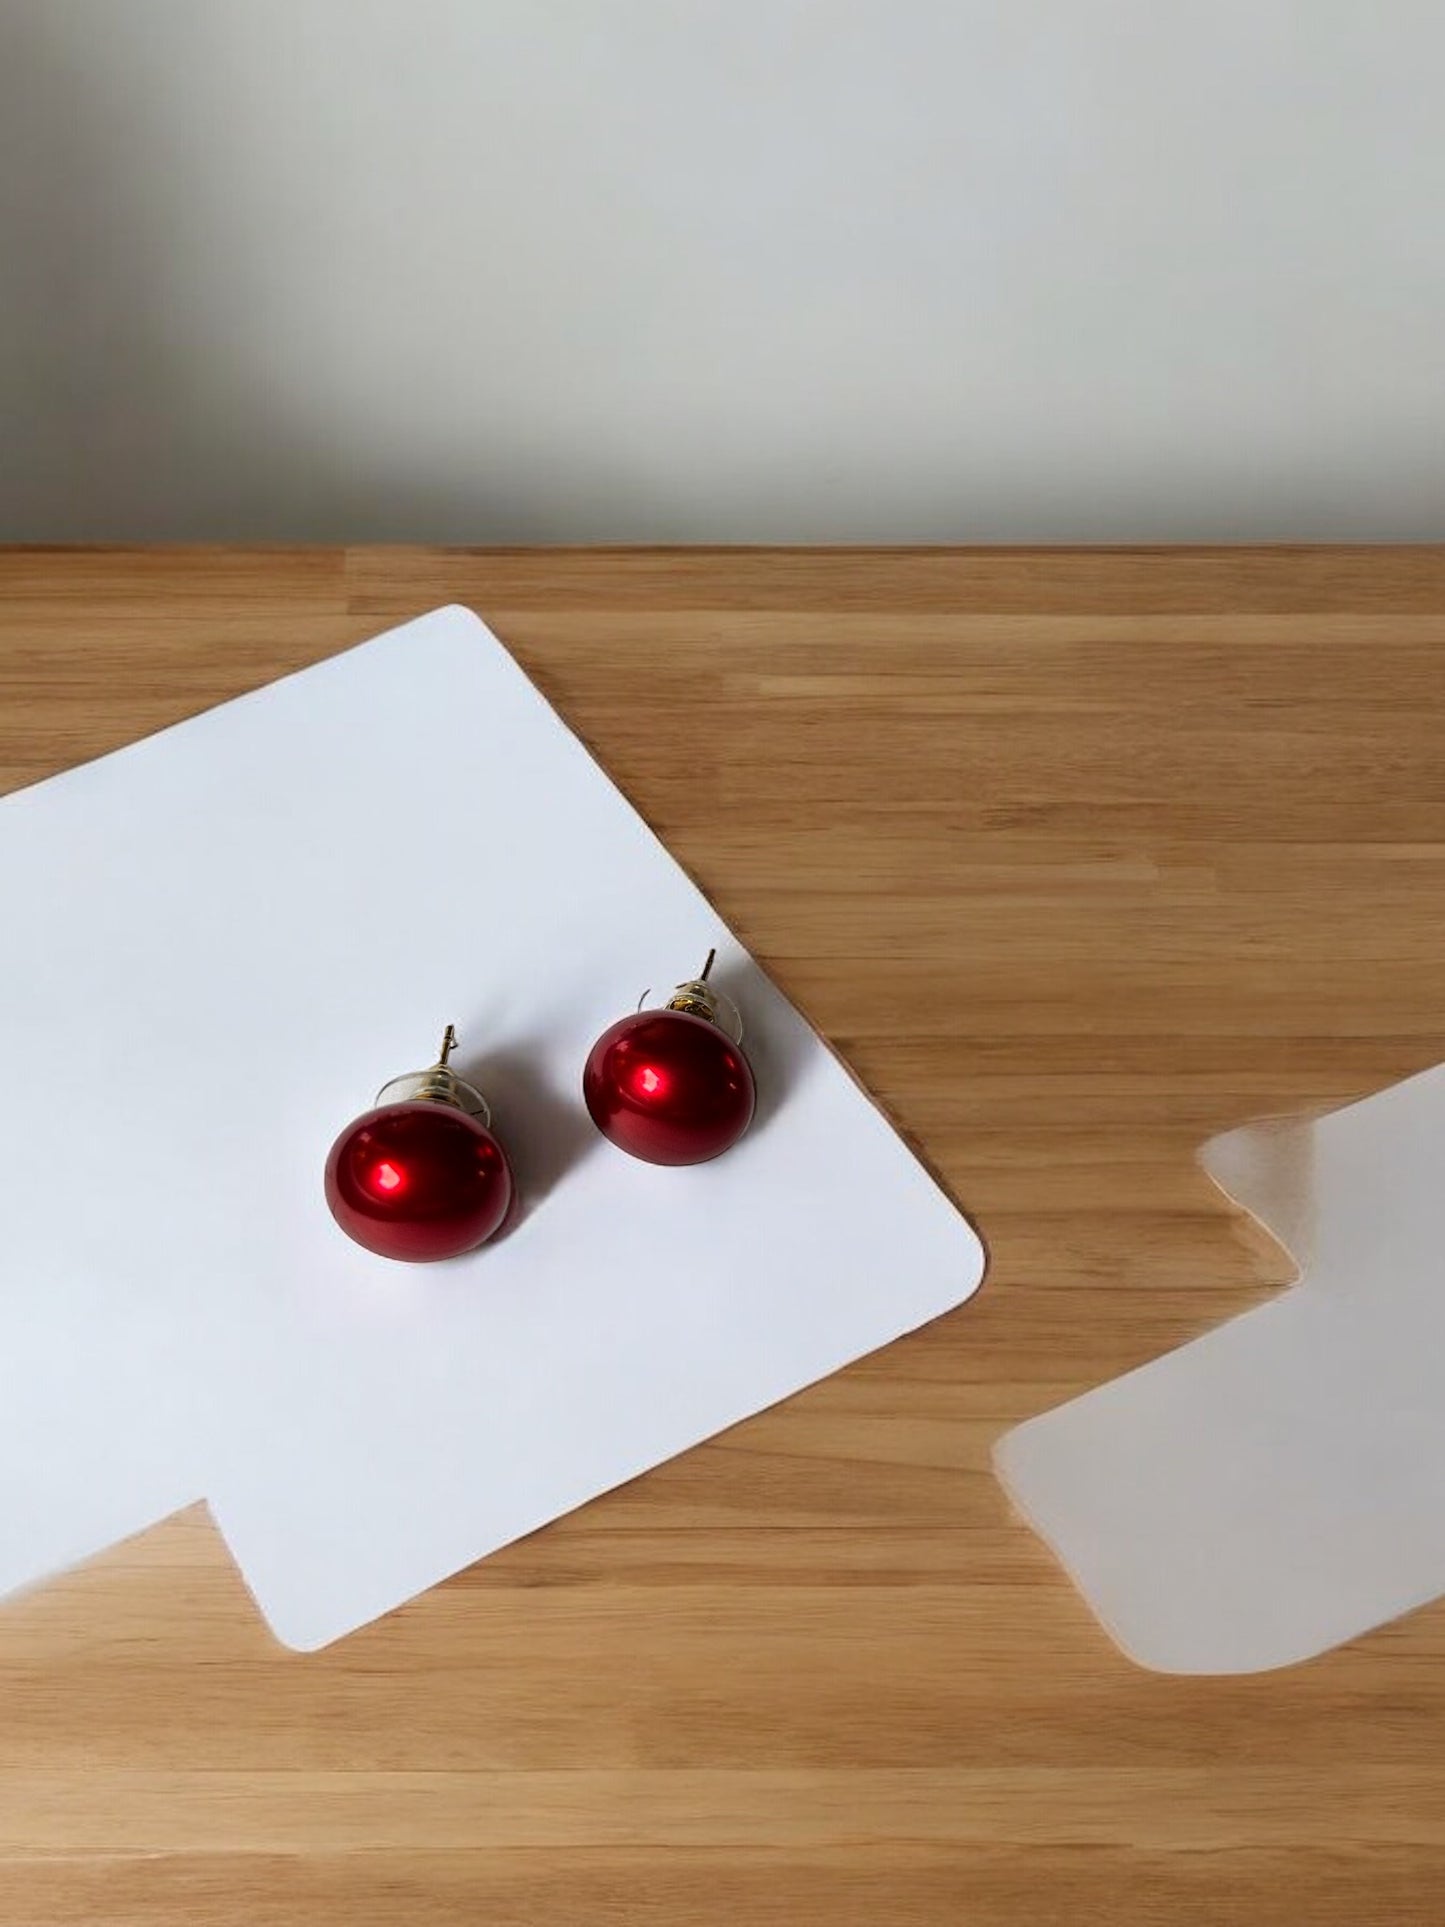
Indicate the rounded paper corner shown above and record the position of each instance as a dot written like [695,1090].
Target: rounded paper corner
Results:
[1173,1654]
[462,612]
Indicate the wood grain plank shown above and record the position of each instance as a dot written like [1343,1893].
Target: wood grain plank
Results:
[1078,857]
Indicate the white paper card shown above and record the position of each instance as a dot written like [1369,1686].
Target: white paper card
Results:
[217,945]
[1278,1486]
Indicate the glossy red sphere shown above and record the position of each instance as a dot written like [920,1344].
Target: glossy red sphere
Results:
[418,1181]
[667,1087]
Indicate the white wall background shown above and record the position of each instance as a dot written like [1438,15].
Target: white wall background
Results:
[484,270]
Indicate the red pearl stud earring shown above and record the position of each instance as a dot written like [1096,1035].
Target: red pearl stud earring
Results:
[672,1086]
[421,1176]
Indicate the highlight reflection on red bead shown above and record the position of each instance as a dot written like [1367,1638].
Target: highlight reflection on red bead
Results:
[669,1087]
[418,1181]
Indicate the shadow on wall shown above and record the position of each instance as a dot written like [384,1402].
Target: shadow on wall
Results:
[133,403]
[483,270]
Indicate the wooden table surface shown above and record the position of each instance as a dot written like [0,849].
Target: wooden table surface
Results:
[1078,857]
